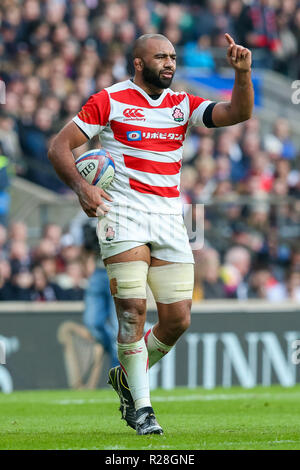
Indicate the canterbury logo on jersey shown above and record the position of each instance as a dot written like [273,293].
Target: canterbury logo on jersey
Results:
[136,114]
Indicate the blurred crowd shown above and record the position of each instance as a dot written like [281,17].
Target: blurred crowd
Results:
[55,53]
[55,268]
[249,185]
[245,253]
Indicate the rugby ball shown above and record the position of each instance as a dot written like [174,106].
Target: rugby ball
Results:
[97,167]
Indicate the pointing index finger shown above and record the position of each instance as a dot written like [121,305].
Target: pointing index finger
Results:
[229,39]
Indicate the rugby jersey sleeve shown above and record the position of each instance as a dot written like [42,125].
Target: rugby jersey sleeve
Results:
[94,114]
[200,111]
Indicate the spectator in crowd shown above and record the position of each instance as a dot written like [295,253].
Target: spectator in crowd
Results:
[19,255]
[212,19]
[69,251]
[287,50]
[282,131]
[41,290]
[259,167]
[10,143]
[18,232]
[295,28]
[208,284]
[53,232]
[188,180]
[260,32]
[5,175]
[258,217]
[197,54]
[44,248]
[293,286]
[206,183]
[6,288]
[21,284]
[99,310]
[234,272]
[72,280]
[50,267]
[34,144]
[3,242]
[264,285]
[236,26]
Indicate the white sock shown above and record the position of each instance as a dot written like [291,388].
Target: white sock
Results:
[134,362]
[156,349]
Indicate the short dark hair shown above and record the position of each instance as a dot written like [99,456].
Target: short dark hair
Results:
[140,43]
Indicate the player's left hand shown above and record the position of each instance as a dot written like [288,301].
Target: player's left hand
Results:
[239,57]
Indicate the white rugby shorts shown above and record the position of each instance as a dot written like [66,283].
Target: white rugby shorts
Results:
[124,228]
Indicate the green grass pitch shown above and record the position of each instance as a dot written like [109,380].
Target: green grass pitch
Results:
[235,418]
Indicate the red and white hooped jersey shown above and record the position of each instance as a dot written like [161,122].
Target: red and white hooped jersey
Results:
[145,138]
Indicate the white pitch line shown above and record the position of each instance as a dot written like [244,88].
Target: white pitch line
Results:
[180,398]
[282,441]
[225,443]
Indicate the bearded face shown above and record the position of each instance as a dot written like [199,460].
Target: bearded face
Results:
[159,78]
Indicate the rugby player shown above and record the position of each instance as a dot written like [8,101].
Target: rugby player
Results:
[143,124]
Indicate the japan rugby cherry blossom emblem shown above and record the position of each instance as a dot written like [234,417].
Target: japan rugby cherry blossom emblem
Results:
[178,115]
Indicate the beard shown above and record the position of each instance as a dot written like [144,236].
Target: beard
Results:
[154,79]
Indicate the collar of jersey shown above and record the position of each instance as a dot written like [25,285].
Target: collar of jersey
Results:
[153,103]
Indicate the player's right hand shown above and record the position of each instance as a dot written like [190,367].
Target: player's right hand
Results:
[91,200]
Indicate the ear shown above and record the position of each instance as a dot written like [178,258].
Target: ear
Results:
[138,64]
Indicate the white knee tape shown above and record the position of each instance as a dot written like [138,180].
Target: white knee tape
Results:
[171,282]
[128,280]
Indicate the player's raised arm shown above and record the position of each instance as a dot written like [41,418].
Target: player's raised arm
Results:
[242,99]
[62,159]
